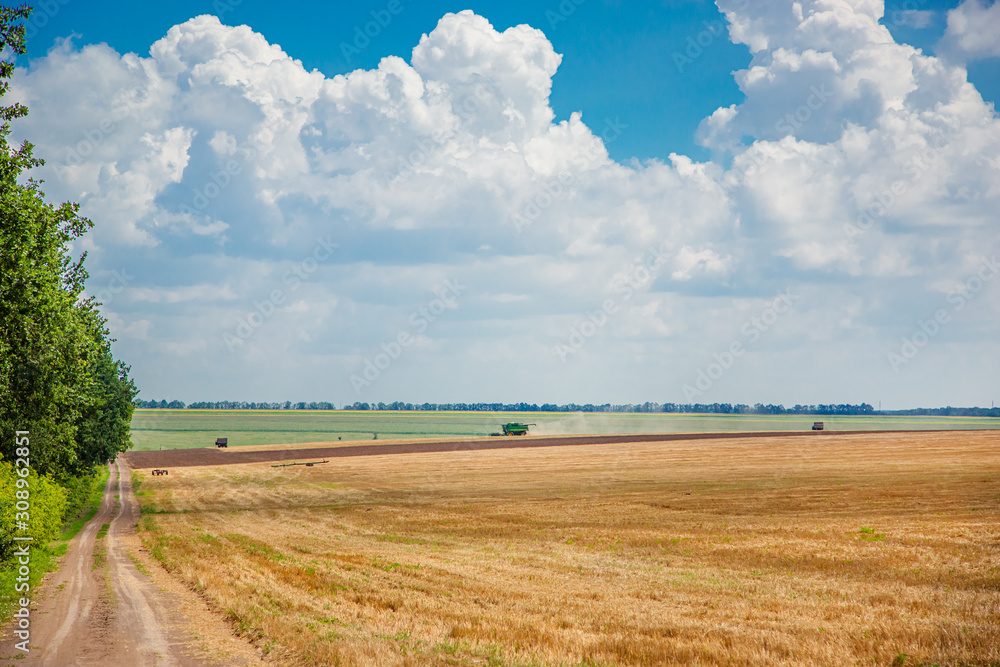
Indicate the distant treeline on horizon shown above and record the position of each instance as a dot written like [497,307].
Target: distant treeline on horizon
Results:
[650,408]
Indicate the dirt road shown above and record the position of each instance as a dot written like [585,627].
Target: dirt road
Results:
[98,609]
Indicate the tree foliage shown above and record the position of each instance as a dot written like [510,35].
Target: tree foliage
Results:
[58,378]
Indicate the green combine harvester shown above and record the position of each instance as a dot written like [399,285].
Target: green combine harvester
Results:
[514,428]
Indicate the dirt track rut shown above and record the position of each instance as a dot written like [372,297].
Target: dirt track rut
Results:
[104,611]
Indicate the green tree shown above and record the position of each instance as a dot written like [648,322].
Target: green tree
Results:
[104,425]
[58,378]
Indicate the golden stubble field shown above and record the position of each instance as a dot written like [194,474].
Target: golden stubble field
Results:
[841,550]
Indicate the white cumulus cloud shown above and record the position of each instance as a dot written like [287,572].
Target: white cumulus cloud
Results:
[973,30]
[283,225]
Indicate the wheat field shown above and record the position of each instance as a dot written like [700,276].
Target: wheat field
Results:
[843,550]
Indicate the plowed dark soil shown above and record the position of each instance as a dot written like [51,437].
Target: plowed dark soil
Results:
[182,458]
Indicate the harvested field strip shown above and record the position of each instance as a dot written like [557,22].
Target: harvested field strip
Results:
[865,549]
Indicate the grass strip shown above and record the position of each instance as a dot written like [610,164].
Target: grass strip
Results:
[87,508]
[85,495]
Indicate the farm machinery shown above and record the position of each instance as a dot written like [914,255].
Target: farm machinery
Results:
[514,428]
[308,464]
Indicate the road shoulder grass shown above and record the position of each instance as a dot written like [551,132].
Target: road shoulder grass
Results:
[83,501]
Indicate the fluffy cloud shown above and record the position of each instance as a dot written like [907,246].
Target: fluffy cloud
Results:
[284,228]
[972,30]
[872,146]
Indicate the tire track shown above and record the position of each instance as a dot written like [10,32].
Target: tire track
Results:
[80,590]
[138,609]
[104,612]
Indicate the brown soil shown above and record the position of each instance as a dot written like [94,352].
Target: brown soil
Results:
[211,456]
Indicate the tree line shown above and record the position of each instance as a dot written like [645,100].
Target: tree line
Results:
[687,408]
[65,402]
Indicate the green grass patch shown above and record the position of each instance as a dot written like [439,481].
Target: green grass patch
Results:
[103,531]
[157,550]
[399,539]
[41,561]
[100,557]
[83,504]
[254,547]
[138,565]
[146,504]
[870,535]
[147,524]
[83,500]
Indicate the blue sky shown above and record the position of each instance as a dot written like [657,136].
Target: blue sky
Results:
[733,164]
[614,52]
